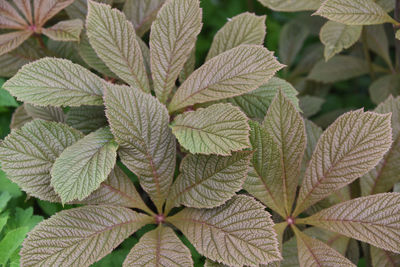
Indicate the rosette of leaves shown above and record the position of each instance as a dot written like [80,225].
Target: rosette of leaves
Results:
[71,158]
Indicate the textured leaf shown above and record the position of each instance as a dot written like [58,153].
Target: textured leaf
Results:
[291,41]
[387,5]
[10,242]
[217,129]
[378,42]
[210,263]
[383,87]
[25,7]
[235,72]
[28,154]
[67,30]
[313,133]
[373,219]
[114,40]
[48,113]
[19,118]
[336,241]
[83,166]
[337,37]
[380,257]
[387,173]
[286,126]
[354,12]
[159,247]
[86,118]
[255,104]
[209,181]
[11,40]
[139,123]
[310,105]
[347,150]
[9,17]
[56,82]
[79,8]
[172,38]
[189,66]
[80,236]
[245,28]
[46,9]
[238,233]
[291,5]
[264,179]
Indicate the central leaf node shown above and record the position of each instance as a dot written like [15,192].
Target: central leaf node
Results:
[160,218]
[290,220]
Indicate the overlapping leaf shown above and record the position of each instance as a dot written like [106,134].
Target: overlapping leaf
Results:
[292,38]
[19,118]
[9,17]
[11,40]
[86,118]
[48,113]
[45,9]
[310,105]
[66,30]
[383,87]
[380,257]
[291,5]
[378,42]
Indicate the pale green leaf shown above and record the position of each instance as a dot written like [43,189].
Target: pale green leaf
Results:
[245,28]
[159,247]
[189,66]
[80,168]
[86,118]
[81,236]
[238,233]
[48,113]
[286,126]
[378,42]
[347,150]
[56,82]
[66,30]
[383,87]
[291,41]
[139,123]
[312,54]
[114,40]
[172,38]
[235,72]
[291,5]
[44,10]
[354,12]
[9,17]
[78,9]
[28,154]
[209,181]
[19,118]
[10,41]
[337,37]
[10,242]
[380,257]
[310,105]
[217,129]
[387,5]
[373,219]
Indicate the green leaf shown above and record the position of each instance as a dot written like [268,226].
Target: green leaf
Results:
[3,219]
[4,198]
[310,105]
[286,126]
[56,82]
[7,100]
[336,241]
[139,123]
[66,30]
[238,233]
[245,28]
[292,38]
[81,236]
[7,186]
[114,40]
[354,12]
[387,5]
[159,247]
[86,118]
[380,257]
[79,8]
[217,129]
[383,87]
[80,168]
[347,150]
[292,5]
[189,66]
[378,42]
[235,72]
[27,155]
[209,181]
[45,10]
[172,38]
[19,118]
[372,219]
[10,41]
[47,113]
[313,133]
[337,37]
[11,241]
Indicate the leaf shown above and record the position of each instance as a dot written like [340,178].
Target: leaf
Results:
[159,247]
[292,38]
[337,37]
[56,82]
[264,179]
[383,87]
[3,220]
[238,233]
[286,126]
[19,118]
[9,17]
[28,154]
[378,42]
[245,28]
[387,173]
[235,72]
[80,236]
[380,257]
[210,263]
[313,133]
[354,12]
[172,38]
[86,118]
[139,123]
[114,40]
[347,150]
[46,9]
[26,9]
[142,13]
[10,41]
[83,166]
[311,105]
[256,103]
[291,5]
[67,30]
[48,113]
[217,129]
[336,241]
[78,9]
[4,198]
[189,66]
[209,181]
[10,242]
[6,100]
[372,219]
[387,5]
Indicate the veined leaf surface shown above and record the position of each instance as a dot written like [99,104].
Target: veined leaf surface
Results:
[66,30]
[46,9]
[48,113]
[20,117]
[9,17]
[86,118]
[10,41]
[25,7]
[291,5]
[380,257]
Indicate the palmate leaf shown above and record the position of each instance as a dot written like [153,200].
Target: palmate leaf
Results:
[114,40]
[11,40]
[347,150]
[238,233]
[159,247]
[80,236]
[66,30]
[245,28]
[25,7]
[336,241]
[373,219]
[48,113]
[234,72]
[291,5]
[83,166]
[209,181]
[172,37]
[380,257]
[56,82]
[44,10]
[86,118]
[217,129]
[354,12]
[9,17]
[28,154]
[139,123]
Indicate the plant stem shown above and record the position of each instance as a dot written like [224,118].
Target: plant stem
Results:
[367,55]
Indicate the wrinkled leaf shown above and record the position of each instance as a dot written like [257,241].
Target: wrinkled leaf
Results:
[86,118]
[48,113]
[66,30]
[46,9]
[19,118]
